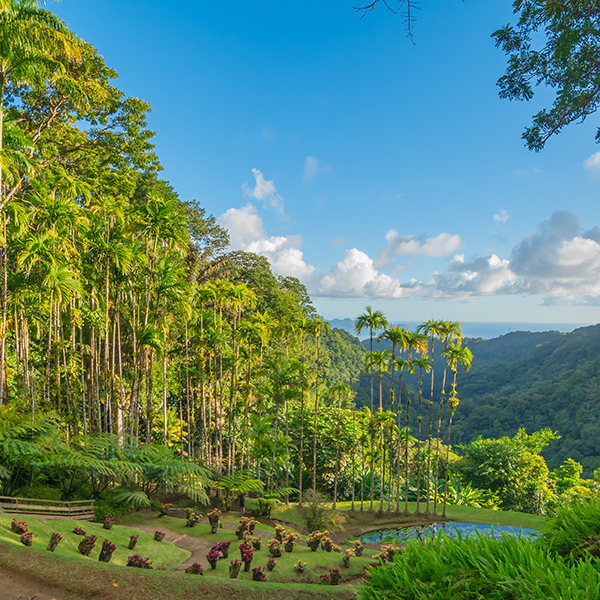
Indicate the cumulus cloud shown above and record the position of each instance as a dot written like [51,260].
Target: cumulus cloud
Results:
[247,232]
[412,245]
[502,217]
[557,261]
[592,164]
[355,276]
[312,168]
[264,191]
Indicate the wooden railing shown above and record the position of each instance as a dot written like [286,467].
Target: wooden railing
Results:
[77,509]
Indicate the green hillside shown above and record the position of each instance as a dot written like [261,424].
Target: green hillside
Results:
[556,385]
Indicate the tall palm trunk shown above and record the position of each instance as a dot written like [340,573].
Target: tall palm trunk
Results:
[418,511]
[314,486]
[437,449]
[301,453]
[427,511]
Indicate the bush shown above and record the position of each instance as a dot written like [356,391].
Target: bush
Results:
[495,569]
[86,545]
[574,531]
[138,562]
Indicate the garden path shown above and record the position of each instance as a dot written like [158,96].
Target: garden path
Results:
[199,547]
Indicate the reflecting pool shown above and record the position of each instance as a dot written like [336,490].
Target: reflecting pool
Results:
[452,529]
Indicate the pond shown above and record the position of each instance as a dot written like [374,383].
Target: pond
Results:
[452,529]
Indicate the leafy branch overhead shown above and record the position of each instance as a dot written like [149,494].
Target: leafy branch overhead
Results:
[555,44]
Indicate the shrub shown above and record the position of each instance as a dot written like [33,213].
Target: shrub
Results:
[279,531]
[107,551]
[574,531]
[223,547]
[86,545]
[213,557]
[159,536]
[132,541]
[195,569]
[497,569]
[54,539]
[108,522]
[346,557]
[299,567]
[19,526]
[213,518]
[334,576]
[234,569]
[275,548]
[271,564]
[258,574]
[247,556]
[78,531]
[138,562]
[27,538]
[325,578]
[256,542]
[357,548]
[192,516]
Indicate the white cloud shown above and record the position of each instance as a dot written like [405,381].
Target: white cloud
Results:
[247,232]
[355,276]
[264,191]
[312,168]
[244,226]
[592,164]
[502,217]
[555,261]
[412,245]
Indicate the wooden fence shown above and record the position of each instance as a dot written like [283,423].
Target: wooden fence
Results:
[78,509]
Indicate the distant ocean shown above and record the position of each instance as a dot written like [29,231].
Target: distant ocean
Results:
[474,329]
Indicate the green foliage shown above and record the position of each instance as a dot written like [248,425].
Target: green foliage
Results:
[509,468]
[495,569]
[235,484]
[574,532]
[554,44]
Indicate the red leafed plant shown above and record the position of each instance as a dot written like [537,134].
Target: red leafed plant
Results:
[139,562]
[19,526]
[107,551]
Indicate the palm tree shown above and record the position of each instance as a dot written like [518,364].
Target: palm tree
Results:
[306,326]
[455,355]
[320,326]
[379,360]
[342,390]
[449,330]
[434,329]
[424,362]
[373,321]
[416,342]
[400,365]
[396,335]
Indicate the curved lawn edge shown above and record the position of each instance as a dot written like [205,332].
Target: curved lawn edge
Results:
[72,579]
[372,520]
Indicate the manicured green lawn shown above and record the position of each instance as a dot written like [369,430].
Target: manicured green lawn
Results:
[464,514]
[164,555]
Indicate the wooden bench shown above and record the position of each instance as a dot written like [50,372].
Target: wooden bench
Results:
[52,509]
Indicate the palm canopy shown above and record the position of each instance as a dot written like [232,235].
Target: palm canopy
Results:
[371,320]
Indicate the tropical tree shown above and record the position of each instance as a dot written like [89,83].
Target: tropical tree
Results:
[432,329]
[456,355]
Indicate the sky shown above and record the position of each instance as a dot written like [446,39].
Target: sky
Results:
[377,170]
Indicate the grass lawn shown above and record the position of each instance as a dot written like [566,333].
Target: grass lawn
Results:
[464,514]
[164,555]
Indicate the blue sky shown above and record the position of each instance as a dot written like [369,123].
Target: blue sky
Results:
[376,170]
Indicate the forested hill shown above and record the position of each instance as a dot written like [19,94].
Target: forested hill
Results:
[521,379]
[556,385]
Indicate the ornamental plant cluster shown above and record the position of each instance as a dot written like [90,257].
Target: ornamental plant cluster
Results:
[88,542]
